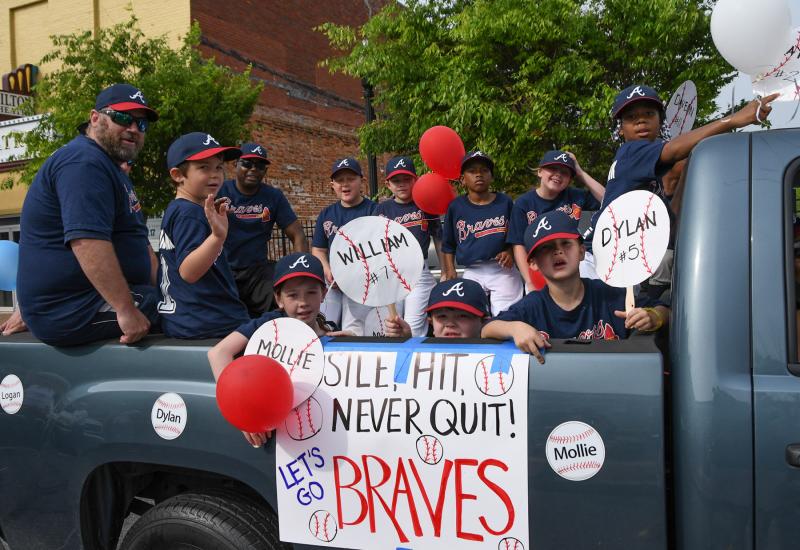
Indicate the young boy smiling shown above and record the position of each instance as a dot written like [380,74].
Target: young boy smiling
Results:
[199,296]
[569,307]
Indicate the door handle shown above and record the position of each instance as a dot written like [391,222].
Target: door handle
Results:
[793,454]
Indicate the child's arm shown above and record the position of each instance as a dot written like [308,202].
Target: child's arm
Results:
[200,260]
[322,255]
[645,319]
[525,337]
[521,258]
[680,147]
[505,258]
[595,187]
[448,267]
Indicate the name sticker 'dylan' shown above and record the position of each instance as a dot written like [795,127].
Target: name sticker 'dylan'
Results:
[11,394]
[575,450]
[630,239]
[169,415]
[682,109]
[295,345]
[375,261]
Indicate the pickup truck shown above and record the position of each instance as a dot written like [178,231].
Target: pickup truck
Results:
[701,426]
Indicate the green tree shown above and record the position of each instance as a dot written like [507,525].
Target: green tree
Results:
[518,77]
[189,92]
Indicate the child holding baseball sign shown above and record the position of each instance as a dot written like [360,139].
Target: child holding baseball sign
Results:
[299,291]
[569,307]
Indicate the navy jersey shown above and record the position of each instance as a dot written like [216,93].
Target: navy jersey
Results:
[208,308]
[251,221]
[249,328]
[335,216]
[421,224]
[593,319]
[530,205]
[476,233]
[78,193]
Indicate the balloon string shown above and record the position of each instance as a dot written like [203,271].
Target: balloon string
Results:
[758,111]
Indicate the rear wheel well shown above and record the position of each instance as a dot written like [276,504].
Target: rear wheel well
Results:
[114,490]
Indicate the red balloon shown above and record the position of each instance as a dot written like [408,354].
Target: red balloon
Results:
[442,150]
[537,279]
[254,393]
[432,193]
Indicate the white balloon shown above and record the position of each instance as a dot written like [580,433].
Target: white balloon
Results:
[751,34]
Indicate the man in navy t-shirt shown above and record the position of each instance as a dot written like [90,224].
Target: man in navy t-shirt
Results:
[86,269]
[255,207]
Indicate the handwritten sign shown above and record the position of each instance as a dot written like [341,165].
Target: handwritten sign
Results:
[415,450]
[375,261]
[631,238]
[294,345]
[682,109]
[784,76]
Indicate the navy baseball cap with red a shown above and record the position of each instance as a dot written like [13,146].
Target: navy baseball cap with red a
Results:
[633,94]
[549,227]
[400,165]
[458,293]
[124,97]
[254,151]
[198,146]
[298,264]
[559,158]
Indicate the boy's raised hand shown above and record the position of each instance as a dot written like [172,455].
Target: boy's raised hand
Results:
[747,114]
[217,215]
[637,319]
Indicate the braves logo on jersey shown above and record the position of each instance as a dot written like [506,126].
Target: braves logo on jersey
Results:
[482,228]
[329,228]
[133,202]
[251,212]
[531,215]
[413,219]
[601,331]
[573,210]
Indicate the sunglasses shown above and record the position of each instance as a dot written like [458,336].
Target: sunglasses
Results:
[247,164]
[125,119]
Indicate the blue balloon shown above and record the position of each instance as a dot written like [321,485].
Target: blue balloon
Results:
[9,260]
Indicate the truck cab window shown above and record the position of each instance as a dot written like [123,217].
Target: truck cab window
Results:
[794,268]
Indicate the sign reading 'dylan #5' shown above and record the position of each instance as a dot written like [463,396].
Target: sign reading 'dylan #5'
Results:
[427,451]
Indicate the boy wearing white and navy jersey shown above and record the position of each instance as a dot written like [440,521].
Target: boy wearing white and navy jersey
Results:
[474,235]
[569,307]
[400,177]
[557,170]
[255,208]
[347,180]
[199,296]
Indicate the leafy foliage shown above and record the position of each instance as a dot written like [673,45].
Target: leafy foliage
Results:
[190,94]
[518,77]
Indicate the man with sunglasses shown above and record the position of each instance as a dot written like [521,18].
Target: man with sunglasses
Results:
[86,268]
[256,207]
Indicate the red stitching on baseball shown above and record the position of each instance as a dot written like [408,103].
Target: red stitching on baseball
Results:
[686,118]
[325,527]
[616,242]
[427,449]
[299,422]
[641,235]
[485,378]
[506,544]
[169,429]
[502,385]
[363,261]
[783,63]
[299,355]
[563,439]
[12,404]
[391,262]
[380,321]
[590,465]
[433,451]
[14,385]
[678,112]
[169,405]
[275,326]
[308,415]
[316,524]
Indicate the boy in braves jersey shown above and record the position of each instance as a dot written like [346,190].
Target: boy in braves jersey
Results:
[346,180]
[474,234]
[199,297]
[569,307]
[255,207]
[400,177]
[557,169]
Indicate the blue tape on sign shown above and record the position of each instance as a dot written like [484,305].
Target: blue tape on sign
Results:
[503,352]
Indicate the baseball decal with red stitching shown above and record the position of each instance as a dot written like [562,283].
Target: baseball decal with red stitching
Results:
[305,420]
[295,345]
[510,543]
[323,525]
[493,382]
[375,261]
[630,239]
[682,109]
[11,394]
[575,450]
[169,416]
[430,449]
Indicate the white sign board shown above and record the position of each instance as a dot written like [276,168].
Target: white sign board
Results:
[630,239]
[375,261]
[414,450]
[682,109]
[10,149]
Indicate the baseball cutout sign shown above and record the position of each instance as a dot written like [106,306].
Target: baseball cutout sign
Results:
[296,346]
[168,416]
[575,450]
[375,261]
[630,239]
[305,420]
[11,394]
[682,109]
[493,381]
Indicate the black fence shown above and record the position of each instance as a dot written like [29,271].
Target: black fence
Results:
[280,245]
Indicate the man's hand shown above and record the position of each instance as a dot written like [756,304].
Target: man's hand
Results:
[217,215]
[447,275]
[13,324]
[134,325]
[505,259]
